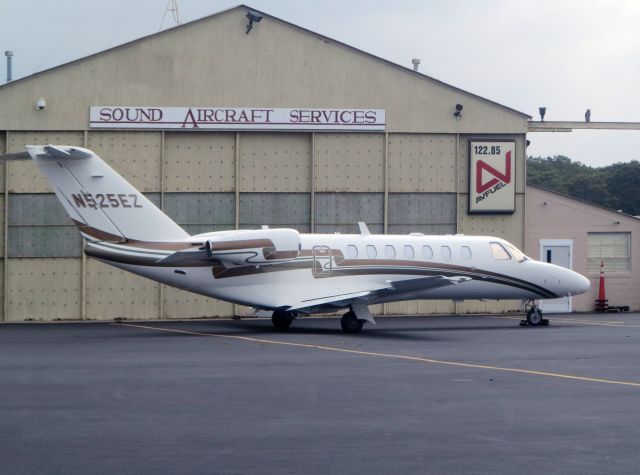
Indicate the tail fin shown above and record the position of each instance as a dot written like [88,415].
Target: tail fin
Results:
[104,206]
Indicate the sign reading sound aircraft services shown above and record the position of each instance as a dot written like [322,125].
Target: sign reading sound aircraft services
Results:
[235,118]
[492,177]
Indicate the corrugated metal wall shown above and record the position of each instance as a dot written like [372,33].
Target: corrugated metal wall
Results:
[429,213]
[275,162]
[199,162]
[277,210]
[340,212]
[43,289]
[318,182]
[422,163]
[349,162]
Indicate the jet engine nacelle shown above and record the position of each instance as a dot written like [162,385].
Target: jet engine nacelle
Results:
[259,246]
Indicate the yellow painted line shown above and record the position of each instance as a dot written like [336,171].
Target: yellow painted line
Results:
[387,355]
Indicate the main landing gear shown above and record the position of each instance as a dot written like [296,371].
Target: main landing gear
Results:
[282,319]
[534,315]
[351,323]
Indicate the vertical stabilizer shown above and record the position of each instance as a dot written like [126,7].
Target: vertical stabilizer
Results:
[104,206]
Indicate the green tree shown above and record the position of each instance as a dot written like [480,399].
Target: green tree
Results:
[615,186]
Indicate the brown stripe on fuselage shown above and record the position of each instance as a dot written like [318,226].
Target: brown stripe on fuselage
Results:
[390,264]
[387,266]
[97,233]
[116,239]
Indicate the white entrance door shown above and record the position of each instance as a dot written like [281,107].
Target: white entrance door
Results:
[558,252]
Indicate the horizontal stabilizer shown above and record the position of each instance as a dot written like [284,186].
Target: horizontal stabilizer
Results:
[67,152]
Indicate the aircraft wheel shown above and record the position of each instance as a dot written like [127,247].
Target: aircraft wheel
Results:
[534,317]
[350,323]
[281,320]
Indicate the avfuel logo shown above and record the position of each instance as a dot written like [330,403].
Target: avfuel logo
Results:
[492,169]
[498,181]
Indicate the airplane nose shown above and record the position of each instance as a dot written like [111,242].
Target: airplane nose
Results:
[578,284]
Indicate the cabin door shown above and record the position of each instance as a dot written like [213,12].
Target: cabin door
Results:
[321,261]
[558,252]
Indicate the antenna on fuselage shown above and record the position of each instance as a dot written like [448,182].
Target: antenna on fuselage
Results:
[364,230]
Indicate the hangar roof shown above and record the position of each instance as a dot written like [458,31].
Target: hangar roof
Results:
[211,61]
[244,6]
[585,202]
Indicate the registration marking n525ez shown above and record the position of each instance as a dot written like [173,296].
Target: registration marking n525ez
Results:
[108,200]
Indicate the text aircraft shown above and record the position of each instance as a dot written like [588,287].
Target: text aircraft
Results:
[282,270]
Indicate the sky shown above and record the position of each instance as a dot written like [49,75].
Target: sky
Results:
[565,55]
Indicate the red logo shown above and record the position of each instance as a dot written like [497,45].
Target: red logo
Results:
[497,176]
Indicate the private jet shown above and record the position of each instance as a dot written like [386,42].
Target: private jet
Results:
[281,270]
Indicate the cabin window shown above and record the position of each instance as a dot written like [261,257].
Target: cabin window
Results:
[409,253]
[427,252]
[499,252]
[445,252]
[390,252]
[466,252]
[372,252]
[352,251]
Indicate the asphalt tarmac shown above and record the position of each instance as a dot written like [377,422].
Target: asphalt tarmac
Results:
[409,395]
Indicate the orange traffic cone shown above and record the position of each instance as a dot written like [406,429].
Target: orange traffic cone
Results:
[601,303]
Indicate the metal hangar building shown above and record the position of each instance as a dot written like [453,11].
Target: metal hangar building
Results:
[225,126]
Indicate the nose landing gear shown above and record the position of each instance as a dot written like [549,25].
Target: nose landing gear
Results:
[534,315]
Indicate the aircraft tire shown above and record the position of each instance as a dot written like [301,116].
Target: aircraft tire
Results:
[281,320]
[534,317]
[350,323]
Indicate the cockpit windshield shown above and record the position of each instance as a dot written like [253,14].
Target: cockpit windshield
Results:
[503,251]
[516,253]
[499,252]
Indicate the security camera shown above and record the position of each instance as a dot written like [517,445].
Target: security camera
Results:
[253,17]
[41,104]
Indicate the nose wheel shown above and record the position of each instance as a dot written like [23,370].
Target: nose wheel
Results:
[534,316]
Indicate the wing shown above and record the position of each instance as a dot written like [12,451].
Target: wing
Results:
[366,297]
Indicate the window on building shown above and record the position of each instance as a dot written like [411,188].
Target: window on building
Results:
[614,249]
[466,252]
[427,252]
[499,252]
[372,252]
[352,251]
[445,252]
[409,253]
[390,251]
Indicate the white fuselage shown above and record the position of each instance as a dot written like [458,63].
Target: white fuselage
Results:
[331,265]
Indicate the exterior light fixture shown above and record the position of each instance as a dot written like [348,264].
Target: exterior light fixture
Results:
[458,113]
[543,111]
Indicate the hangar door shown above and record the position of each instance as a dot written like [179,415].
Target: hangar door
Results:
[558,252]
